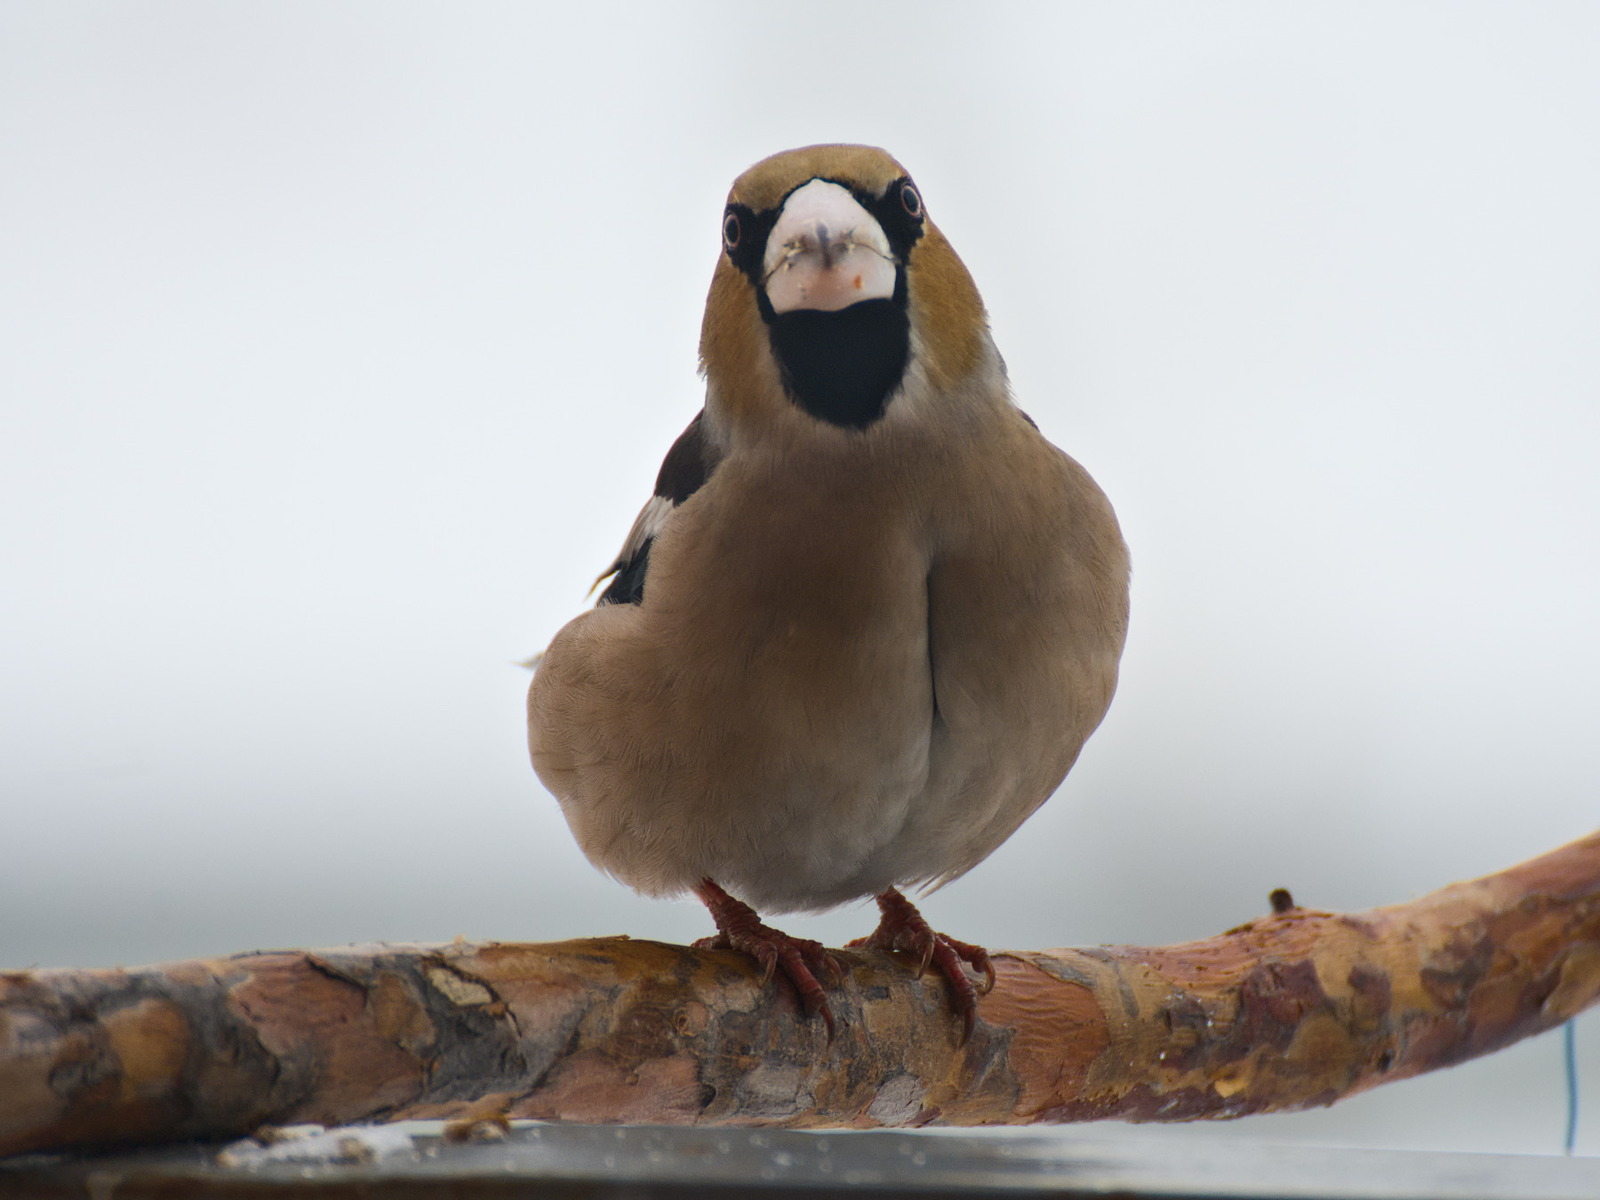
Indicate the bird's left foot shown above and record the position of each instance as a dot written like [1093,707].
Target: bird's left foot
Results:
[903,928]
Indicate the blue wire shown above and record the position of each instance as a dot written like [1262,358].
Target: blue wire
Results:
[1570,1042]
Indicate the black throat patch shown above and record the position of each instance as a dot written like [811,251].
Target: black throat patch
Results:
[842,367]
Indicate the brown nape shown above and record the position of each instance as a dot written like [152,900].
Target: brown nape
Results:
[740,928]
[903,929]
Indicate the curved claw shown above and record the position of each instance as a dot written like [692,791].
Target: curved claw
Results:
[976,957]
[988,967]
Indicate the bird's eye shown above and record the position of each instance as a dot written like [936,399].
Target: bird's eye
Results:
[910,200]
[731,230]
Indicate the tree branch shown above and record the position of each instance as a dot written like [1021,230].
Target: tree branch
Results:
[1293,1010]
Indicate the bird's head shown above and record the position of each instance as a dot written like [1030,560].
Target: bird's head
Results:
[833,289]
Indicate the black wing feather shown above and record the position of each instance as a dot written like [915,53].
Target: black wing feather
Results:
[688,465]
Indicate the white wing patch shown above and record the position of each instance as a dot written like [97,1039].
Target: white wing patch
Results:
[645,526]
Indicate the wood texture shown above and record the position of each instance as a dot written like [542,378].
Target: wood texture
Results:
[1296,1009]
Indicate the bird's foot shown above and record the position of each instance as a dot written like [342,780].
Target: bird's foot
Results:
[902,928]
[801,960]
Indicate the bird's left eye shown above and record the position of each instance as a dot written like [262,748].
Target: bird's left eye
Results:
[731,230]
[910,200]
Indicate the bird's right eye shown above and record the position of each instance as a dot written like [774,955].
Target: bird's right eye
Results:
[731,230]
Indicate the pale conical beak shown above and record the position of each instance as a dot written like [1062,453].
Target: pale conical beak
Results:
[826,252]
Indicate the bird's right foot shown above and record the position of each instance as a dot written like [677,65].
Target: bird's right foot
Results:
[801,960]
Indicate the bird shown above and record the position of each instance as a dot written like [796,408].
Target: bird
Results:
[869,615]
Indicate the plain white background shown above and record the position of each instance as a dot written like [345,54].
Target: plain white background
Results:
[339,343]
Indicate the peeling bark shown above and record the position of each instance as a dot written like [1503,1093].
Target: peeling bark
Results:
[1297,1009]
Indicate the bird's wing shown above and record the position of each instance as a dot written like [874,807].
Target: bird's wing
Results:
[687,466]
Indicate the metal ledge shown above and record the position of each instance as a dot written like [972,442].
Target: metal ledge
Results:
[413,1160]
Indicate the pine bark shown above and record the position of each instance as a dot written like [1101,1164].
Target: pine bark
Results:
[1297,1009]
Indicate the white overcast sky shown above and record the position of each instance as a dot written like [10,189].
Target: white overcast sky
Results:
[339,343]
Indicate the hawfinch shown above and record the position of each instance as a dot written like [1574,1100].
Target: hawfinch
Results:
[870,615]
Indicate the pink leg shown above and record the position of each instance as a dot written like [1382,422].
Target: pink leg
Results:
[903,928]
[739,928]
